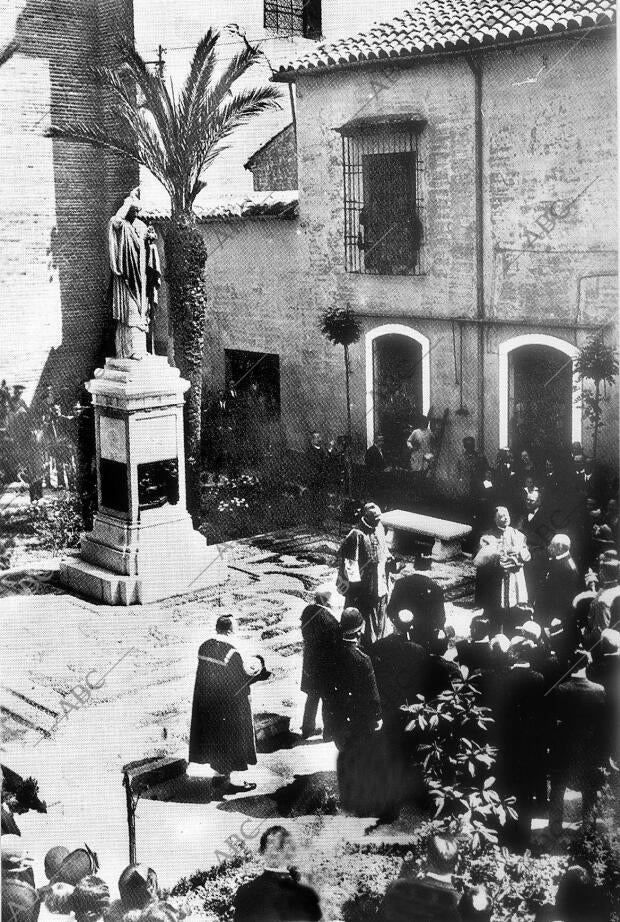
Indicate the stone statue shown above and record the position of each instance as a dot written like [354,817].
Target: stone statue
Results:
[133,251]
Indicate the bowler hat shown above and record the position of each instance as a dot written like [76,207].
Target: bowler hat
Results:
[351,622]
[53,860]
[78,864]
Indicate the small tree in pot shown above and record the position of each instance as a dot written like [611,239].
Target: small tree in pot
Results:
[596,362]
[342,327]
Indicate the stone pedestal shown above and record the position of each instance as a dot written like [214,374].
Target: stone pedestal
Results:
[143,546]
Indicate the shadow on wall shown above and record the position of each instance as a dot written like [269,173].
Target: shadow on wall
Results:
[67,36]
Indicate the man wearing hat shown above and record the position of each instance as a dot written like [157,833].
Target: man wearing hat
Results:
[364,554]
[137,887]
[604,611]
[20,901]
[222,727]
[355,702]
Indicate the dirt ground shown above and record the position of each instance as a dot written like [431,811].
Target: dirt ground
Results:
[87,688]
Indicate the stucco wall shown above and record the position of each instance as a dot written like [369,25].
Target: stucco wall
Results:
[549,229]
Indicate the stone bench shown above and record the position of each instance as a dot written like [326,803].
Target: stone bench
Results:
[406,528]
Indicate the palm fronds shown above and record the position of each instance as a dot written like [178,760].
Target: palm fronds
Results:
[176,139]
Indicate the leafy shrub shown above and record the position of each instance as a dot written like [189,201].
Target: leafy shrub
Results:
[598,850]
[457,767]
[57,523]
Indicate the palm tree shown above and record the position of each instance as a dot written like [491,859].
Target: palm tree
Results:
[342,327]
[176,138]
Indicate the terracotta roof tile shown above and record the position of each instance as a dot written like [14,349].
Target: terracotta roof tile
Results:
[454,25]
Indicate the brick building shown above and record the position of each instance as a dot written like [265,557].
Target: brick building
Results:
[56,197]
[461,198]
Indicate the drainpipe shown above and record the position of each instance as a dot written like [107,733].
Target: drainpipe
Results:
[475,65]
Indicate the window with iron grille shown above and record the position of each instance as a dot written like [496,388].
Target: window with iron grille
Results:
[382,166]
[294,17]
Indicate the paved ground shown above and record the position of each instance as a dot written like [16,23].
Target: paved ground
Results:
[87,688]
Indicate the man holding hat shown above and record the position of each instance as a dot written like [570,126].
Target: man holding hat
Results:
[364,556]
[222,728]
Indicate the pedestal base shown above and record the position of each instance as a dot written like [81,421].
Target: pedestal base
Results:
[178,573]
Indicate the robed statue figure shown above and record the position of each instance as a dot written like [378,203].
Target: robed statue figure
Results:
[134,263]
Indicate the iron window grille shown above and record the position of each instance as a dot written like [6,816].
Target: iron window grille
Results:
[383,209]
[294,17]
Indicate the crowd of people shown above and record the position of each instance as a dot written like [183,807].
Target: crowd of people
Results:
[39,446]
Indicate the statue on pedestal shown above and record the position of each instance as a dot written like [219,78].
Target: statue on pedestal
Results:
[134,263]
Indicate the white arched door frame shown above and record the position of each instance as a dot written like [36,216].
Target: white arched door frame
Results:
[385,330]
[533,339]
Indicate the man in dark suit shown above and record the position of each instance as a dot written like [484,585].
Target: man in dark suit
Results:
[321,633]
[277,894]
[521,733]
[431,898]
[424,597]
[578,744]
[353,697]
[400,670]
[374,460]
[476,652]
[561,583]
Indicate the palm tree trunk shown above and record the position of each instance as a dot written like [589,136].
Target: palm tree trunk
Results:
[186,257]
[349,457]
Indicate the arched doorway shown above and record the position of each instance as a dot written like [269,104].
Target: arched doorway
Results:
[538,399]
[397,384]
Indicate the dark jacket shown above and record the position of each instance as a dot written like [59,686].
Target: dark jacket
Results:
[374,460]
[276,897]
[420,900]
[521,728]
[400,670]
[555,594]
[423,596]
[579,743]
[354,697]
[475,654]
[321,635]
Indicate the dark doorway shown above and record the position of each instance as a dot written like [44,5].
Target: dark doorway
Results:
[397,370]
[540,400]
[256,378]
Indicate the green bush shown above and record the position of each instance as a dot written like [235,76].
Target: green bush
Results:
[456,764]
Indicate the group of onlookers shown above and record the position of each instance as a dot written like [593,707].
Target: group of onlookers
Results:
[38,445]
[74,889]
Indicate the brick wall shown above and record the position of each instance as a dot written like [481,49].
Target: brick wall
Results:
[55,196]
[274,166]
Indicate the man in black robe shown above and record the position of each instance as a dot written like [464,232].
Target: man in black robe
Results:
[276,895]
[222,728]
[321,633]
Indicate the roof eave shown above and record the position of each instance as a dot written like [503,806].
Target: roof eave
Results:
[291,75]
